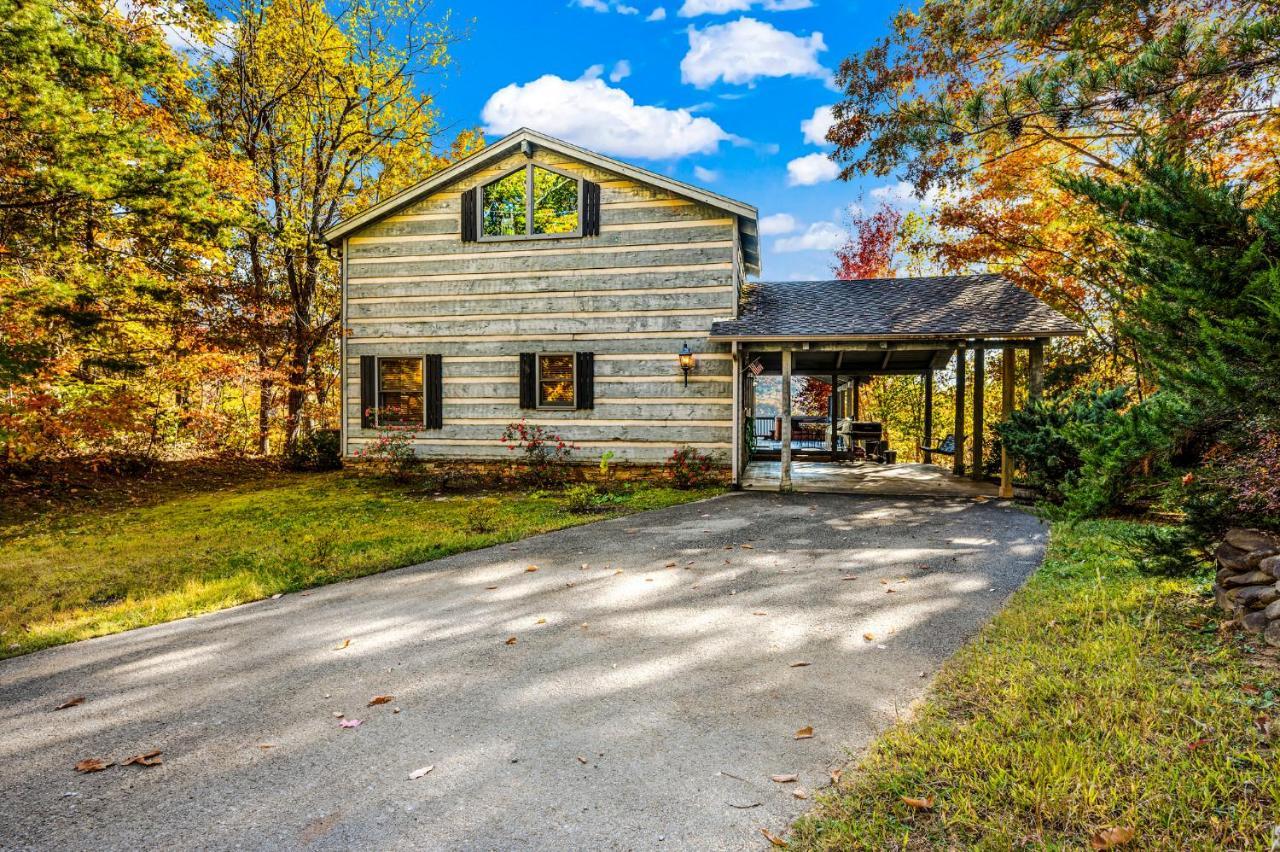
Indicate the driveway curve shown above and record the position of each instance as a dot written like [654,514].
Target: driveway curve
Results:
[645,702]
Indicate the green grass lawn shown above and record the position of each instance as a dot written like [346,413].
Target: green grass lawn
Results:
[87,569]
[1098,699]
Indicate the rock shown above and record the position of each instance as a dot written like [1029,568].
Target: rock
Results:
[1271,565]
[1224,603]
[1243,539]
[1255,622]
[1272,634]
[1254,597]
[1223,574]
[1233,558]
[1273,610]
[1249,578]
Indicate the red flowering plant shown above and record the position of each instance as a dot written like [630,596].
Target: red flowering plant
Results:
[392,450]
[689,468]
[546,454]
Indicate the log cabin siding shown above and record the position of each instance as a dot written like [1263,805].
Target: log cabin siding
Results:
[661,271]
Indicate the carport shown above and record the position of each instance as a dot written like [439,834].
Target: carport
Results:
[847,332]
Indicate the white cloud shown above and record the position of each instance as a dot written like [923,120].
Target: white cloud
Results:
[743,50]
[778,223]
[811,169]
[820,236]
[706,175]
[903,196]
[815,128]
[607,5]
[693,8]
[658,14]
[621,71]
[591,113]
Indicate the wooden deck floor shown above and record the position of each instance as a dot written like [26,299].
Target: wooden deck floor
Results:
[895,480]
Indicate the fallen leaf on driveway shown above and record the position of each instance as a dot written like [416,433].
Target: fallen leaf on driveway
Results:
[70,702]
[784,779]
[759,613]
[582,760]
[151,758]
[748,547]
[380,699]
[265,746]
[772,838]
[800,664]
[511,640]
[669,565]
[835,775]
[800,793]
[531,569]
[345,643]
[338,715]
[868,636]
[805,733]
[920,804]
[850,577]
[349,723]
[744,807]
[541,621]
[93,764]
[418,773]
[490,588]
[1109,837]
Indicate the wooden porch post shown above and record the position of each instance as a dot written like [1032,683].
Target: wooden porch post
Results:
[784,477]
[928,415]
[957,460]
[833,411]
[979,400]
[1035,370]
[857,398]
[738,413]
[1006,409]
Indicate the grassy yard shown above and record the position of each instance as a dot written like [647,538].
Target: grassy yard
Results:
[1098,699]
[87,569]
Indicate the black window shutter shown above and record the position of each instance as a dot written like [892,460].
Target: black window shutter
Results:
[433,391]
[586,389]
[368,390]
[590,209]
[469,216]
[528,380]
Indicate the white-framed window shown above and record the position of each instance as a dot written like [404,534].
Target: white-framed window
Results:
[534,201]
[557,380]
[401,398]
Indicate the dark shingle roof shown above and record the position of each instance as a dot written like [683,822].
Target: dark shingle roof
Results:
[950,306]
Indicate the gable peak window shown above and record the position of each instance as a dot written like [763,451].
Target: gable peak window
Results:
[532,201]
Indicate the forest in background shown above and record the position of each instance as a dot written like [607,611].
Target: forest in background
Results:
[1118,160]
[168,171]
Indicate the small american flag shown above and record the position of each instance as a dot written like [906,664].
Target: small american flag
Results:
[756,367]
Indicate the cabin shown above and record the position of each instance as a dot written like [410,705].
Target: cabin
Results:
[540,281]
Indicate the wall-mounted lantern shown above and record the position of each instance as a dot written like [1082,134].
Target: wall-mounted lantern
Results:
[686,362]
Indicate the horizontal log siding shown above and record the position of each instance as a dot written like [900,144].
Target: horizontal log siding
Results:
[661,271]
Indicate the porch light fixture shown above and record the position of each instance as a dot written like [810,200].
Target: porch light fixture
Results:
[686,362]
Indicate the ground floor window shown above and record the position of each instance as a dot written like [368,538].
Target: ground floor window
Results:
[400,391]
[556,381]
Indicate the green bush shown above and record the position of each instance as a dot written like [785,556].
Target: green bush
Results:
[1163,550]
[317,449]
[1047,437]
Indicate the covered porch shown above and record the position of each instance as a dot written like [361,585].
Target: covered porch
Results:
[843,334]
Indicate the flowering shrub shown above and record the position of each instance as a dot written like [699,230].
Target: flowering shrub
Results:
[392,450]
[689,468]
[546,454]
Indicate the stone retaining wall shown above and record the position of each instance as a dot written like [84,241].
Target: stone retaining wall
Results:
[1247,586]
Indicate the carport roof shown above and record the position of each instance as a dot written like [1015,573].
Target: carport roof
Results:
[949,307]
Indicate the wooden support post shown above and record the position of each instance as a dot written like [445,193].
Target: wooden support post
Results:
[739,415]
[979,400]
[857,398]
[1035,371]
[928,416]
[784,476]
[833,406]
[957,460]
[1006,409]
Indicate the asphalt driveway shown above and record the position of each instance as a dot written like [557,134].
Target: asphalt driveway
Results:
[647,699]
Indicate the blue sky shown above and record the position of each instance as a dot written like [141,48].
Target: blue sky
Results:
[713,92]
